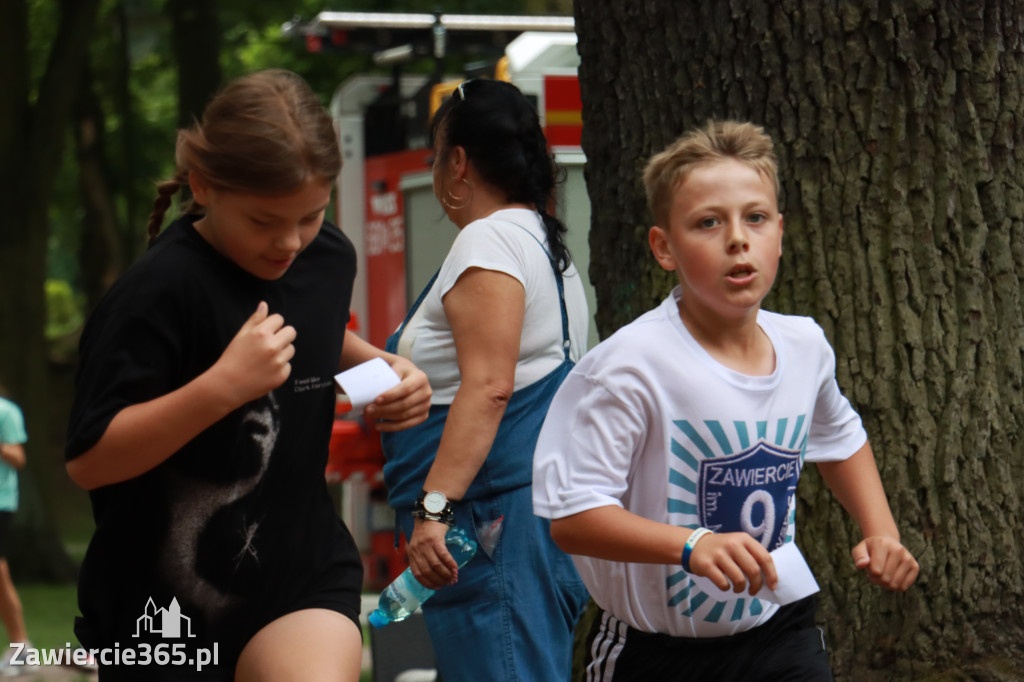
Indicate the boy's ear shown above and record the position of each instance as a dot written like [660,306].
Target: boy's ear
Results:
[658,239]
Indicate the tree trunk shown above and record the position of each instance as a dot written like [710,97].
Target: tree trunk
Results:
[31,143]
[100,256]
[196,36]
[125,110]
[896,127]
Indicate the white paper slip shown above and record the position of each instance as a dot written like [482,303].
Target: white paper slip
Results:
[795,579]
[365,382]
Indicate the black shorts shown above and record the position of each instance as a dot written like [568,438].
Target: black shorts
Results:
[339,592]
[5,531]
[788,647]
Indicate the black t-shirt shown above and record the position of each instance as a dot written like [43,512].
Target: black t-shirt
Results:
[237,526]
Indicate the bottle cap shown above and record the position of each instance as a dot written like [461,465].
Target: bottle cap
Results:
[378,619]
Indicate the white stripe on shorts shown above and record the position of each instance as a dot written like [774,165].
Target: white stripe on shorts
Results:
[605,649]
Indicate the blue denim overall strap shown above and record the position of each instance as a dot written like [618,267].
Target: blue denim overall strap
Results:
[511,615]
[409,454]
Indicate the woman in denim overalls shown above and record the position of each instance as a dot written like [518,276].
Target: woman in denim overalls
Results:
[496,330]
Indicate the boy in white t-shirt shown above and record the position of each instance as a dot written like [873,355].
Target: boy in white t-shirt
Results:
[673,449]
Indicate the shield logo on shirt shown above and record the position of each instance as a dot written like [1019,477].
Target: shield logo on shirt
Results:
[749,492]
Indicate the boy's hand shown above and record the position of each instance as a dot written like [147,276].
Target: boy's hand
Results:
[258,359]
[886,562]
[405,405]
[733,560]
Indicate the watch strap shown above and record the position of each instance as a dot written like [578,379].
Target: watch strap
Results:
[446,515]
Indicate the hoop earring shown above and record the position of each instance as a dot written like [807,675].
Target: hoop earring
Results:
[451,202]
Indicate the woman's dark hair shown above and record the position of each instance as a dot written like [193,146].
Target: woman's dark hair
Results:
[500,130]
[264,133]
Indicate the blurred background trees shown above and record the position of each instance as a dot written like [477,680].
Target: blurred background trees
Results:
[91,95]
[898,139]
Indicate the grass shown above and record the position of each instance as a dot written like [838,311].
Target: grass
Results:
[50,612]
[49,617]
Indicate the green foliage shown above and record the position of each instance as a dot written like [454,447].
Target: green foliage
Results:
[65,217]
[42,24]
[453,6]
[251,46]
[136,77]
[63,309]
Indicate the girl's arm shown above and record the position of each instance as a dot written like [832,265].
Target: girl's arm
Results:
[142,436]
[730,560]
[856,484]
[400,407]
[485,309]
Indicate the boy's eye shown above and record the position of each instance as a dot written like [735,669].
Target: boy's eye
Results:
[708,222]
[757,218]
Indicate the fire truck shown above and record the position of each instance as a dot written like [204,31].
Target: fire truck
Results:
[384,198]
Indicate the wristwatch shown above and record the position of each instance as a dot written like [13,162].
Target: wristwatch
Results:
[434,506]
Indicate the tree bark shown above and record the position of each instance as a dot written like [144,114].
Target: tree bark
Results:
[124,107]
[196,37]
[899,142]
[100,255]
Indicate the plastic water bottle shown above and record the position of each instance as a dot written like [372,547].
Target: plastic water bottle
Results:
[405,594]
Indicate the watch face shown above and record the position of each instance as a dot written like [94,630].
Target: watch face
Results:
[435,502]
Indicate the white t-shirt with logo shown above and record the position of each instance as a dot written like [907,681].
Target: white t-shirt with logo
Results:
[508,241]
[650,422]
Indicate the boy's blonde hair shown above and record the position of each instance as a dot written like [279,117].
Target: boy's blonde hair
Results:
[716,141]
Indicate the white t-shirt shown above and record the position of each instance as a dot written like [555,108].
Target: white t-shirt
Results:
[650,422]
[507,241]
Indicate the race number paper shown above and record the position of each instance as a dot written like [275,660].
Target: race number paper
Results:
[795,579]
[365,382]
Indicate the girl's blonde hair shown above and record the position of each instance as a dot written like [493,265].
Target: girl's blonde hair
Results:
[717,140]
[264,133]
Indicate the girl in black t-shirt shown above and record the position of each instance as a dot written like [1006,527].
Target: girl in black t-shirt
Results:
[203,410]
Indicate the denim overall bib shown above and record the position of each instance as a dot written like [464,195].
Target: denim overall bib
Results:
[512,613]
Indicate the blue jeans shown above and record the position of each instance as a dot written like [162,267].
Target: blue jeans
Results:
[511,615]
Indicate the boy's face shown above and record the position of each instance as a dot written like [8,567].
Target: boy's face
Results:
[724,240]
